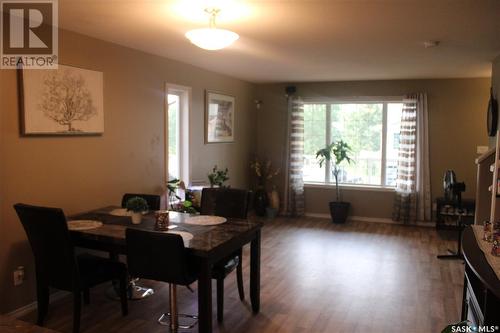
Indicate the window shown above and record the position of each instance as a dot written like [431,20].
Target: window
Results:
[174,162]
[370,128]
[177,136]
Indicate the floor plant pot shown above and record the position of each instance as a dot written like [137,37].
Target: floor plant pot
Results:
[274,199]
[136,217]
[261,202]
[271,212]
[339,211]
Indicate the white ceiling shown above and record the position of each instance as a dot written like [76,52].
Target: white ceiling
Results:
[306,40]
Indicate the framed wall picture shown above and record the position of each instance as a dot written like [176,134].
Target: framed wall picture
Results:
[219,117]
[63,101]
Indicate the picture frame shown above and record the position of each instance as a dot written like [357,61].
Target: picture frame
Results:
[219,117]
[67,101]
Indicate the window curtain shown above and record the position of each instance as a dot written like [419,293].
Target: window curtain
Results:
[413,196]
[294,159]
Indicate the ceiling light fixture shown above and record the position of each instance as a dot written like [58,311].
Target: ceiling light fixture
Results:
[212,38]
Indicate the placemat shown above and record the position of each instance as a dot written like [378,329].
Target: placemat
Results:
[79,225]
[186,236]
[205,220]
[486,248]
[120,212]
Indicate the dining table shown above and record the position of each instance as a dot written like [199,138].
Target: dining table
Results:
[209,244]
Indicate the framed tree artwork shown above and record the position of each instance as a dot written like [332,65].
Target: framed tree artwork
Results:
[219,117]
[63,101]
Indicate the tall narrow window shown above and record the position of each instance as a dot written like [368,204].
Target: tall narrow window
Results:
[177,136]
[174,162]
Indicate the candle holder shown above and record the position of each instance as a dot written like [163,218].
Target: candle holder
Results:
[487,231]
[495,249]
[162,220]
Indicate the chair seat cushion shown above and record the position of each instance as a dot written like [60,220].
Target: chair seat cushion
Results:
[95,270]
[224,267]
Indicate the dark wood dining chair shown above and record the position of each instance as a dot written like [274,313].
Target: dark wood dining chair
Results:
[153,200]
[162,257]
[57,265]
[229,203]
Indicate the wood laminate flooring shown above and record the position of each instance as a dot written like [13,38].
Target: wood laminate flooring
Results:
[315,277]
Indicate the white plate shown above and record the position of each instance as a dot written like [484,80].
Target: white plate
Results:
[79,225]
[186,236]
[122,212]
[205,220]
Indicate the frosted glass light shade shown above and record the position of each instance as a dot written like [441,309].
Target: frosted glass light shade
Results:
[212,38]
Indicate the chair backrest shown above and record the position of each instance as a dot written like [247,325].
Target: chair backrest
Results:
[153,200]
[51,244]
[227,202]
[208,200]
[158,256]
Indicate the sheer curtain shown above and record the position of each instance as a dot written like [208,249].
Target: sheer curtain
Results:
[294,159]
[413,198]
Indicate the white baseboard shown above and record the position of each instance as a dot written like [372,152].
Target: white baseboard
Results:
[371,219]
[24,310]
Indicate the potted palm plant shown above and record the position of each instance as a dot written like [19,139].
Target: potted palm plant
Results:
[137,206]
[335,154]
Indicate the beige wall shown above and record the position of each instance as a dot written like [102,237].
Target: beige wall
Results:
[457,116]
[495,77]
[495,83]
[80,173]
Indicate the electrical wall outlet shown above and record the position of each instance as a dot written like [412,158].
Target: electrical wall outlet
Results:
[19,276]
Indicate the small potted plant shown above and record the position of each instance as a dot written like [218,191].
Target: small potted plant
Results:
[335,154]
[172,186]
[137,206]
[175,202]
[218,177]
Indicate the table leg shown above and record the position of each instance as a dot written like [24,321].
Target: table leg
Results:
[255,272]
[464,300]
[205,297]
[135,291]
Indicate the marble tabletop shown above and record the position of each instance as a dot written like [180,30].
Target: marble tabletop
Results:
[205,238]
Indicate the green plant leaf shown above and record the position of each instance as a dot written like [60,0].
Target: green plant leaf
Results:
[137,204]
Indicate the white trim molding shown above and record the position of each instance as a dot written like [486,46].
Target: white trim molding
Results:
[353,99]
[26,309]
[372,220]
[350,187]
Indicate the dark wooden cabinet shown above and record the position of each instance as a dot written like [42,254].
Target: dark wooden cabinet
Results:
[447,213]
[481,299]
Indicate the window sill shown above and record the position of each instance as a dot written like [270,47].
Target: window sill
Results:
[351,187]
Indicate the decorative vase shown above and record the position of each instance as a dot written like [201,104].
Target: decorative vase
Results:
[261,202]
[136,217]
[274,199]
[339,211]
[271,213]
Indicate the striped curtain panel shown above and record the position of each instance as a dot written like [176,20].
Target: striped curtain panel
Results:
[413,199]
[294,185]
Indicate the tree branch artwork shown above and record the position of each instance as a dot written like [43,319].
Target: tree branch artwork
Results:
[66,100]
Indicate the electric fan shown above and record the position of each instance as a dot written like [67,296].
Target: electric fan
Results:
[453,193]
